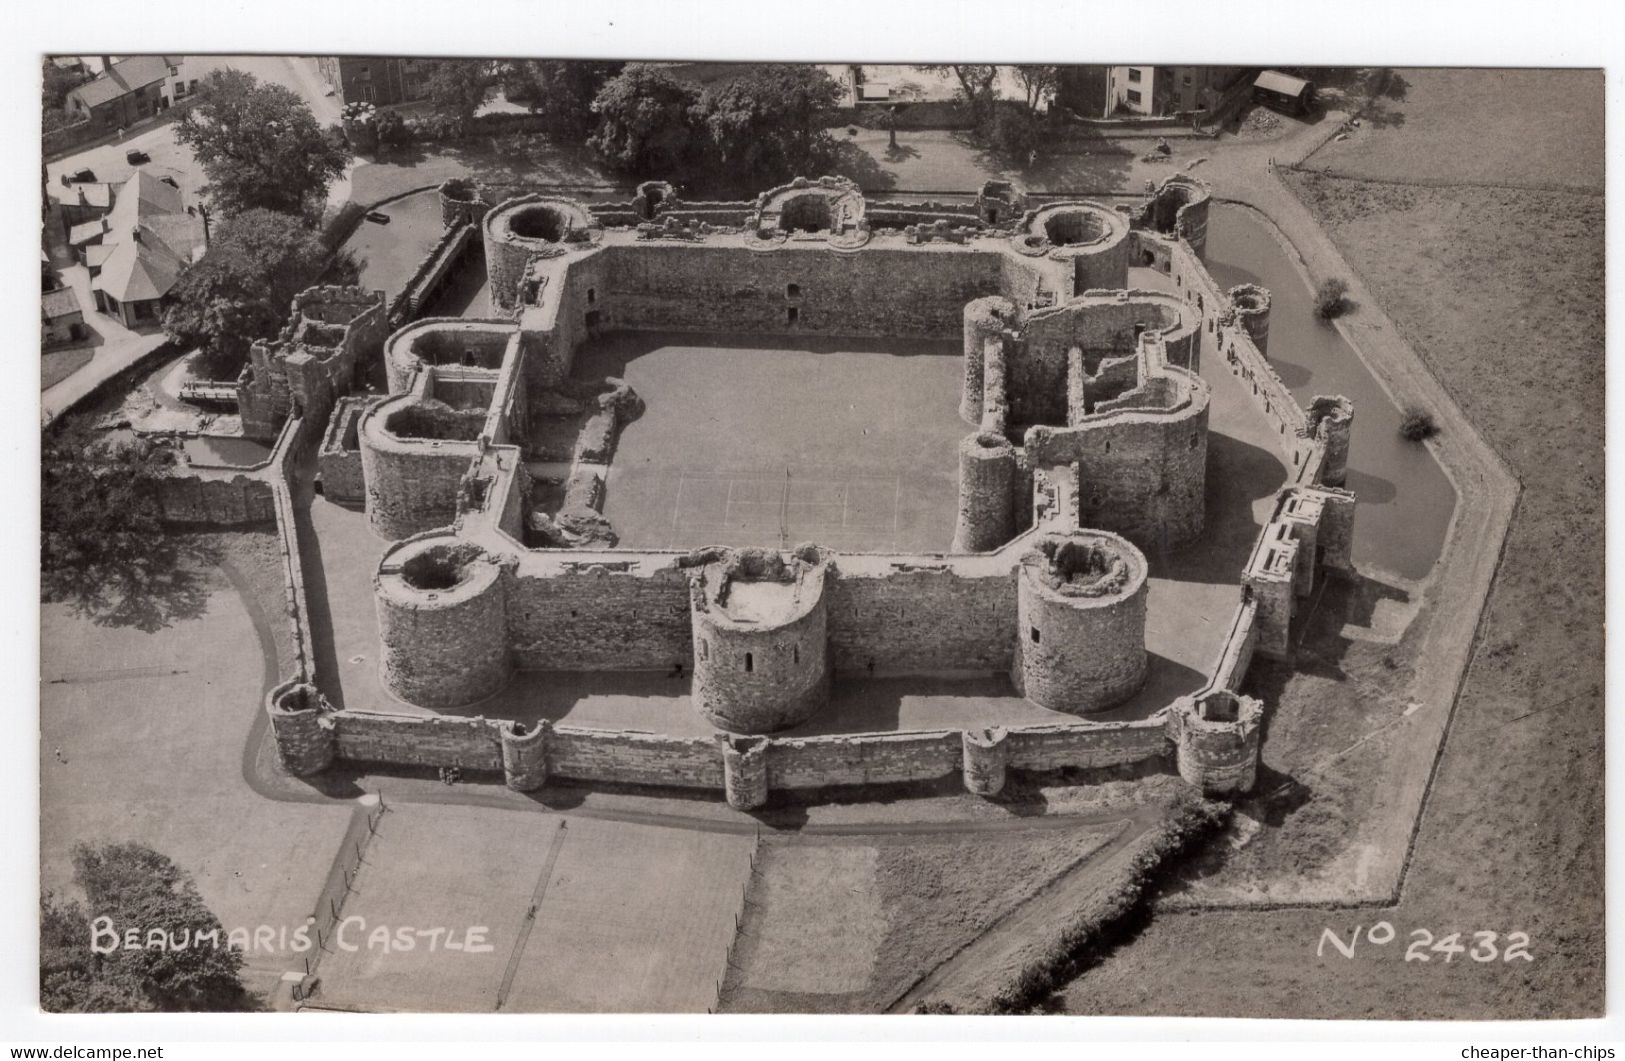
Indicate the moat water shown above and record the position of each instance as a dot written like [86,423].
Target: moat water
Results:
[1405,499]
[228,452]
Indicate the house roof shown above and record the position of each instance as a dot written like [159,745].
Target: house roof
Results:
[141,267]
[1275,81]
[59,303]
[124,77]
[87,231]
[150,240]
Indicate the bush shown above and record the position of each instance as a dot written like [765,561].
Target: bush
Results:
[1417,425]
[1331,299]
[1095,930]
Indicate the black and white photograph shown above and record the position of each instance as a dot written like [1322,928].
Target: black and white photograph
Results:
[581,528]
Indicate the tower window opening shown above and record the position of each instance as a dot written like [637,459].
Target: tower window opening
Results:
[750,663]
[792,315]
[1035,634]
[792,290]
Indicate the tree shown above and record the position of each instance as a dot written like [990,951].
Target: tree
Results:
[645,121]
[241,289]
[1038,85]
[1014,135]
[135,887]
[58,82]
[99,505]
[769,124]
[561,91]
[259,145]
[458,87]
[976,86]
[1331,298]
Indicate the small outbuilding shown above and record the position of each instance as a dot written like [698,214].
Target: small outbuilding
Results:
[1283,92]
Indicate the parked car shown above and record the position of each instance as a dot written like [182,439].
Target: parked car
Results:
[135,156]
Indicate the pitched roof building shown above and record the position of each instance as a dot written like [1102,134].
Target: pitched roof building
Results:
[127,92]
[147,240]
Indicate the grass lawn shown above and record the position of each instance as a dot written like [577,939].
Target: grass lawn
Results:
[145,711]
[58,365]
[1501,292]
[848,925]
[1441,125]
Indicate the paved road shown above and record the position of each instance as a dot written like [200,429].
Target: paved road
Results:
[170,159]
[120,348]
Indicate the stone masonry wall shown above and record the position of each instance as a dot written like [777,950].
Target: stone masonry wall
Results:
[868,759]
[1086,747]
[406,740]
[922,621]
[224,502]
[878,291]
[600,620]
[634,758]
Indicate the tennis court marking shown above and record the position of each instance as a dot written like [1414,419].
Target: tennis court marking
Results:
[786,505]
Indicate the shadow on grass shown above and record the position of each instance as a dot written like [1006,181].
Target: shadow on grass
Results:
[159,583]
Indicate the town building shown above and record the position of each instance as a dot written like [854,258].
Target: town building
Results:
[139,249]
[62,321]
[1161,91]
[129,91]
[375,79]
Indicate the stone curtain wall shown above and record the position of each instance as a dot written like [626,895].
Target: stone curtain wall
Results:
[1103,744]
[634,758]
[404,740]
[864,759]
[878,291]
[449,253]
[921,619]
[597,620]
[785,763]
[223,502]
[1143,478]
[339,460]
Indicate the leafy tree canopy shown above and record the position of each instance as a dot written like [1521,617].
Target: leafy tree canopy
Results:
[241,289]
[645,121]
[58,82]
[134,887]
[459,87]
[560,90]
[259,145]
[768,124]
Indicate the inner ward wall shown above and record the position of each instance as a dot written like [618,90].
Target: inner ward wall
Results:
[876,291]
[922,621]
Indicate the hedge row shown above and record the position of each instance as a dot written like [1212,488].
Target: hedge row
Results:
[1092,932]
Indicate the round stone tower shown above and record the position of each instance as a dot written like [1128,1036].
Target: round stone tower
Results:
[1180,208]
[1251,304]
[1217,736]
[442,618]
[1331,418]
[304,743]
[1092,238]
[527,227]
[987,486]
[461,203]
[985,318]
[1080,615]
[761,656]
